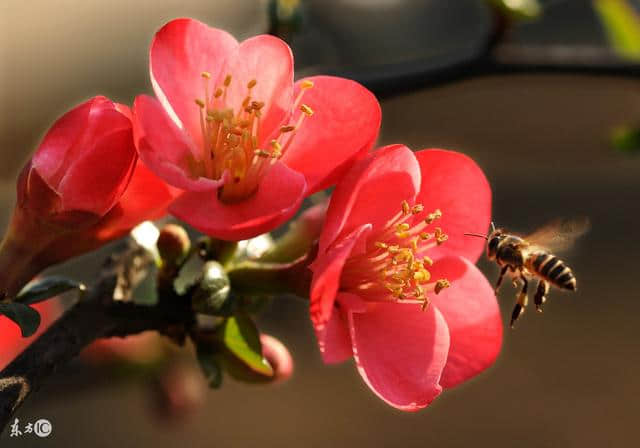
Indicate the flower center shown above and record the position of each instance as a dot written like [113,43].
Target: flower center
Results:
[231,139]
[395,263]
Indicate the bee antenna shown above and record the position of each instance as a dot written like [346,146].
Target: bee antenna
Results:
[477,234]
[493,227]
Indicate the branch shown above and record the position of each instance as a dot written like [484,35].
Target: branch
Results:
[97,316]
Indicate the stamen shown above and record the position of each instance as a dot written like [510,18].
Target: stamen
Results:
[306,84]
[441,284]
[306,110]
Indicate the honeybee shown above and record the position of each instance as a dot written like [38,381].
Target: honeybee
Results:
[526,258]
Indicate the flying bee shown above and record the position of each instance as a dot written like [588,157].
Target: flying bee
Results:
[526,258]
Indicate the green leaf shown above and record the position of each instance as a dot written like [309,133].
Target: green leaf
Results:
[210,367]
[23,315]
[240,336]
[189,275]
[621,23]
[46,288]
[626,139]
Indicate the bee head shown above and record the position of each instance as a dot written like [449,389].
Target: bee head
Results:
[493,240]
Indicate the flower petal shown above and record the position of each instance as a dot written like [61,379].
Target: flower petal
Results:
[268,61]
[371,192]
[164,148]
[327,269]
[470,308]
[277,199]
[456,185]
[180,51]
[96,181]
[401,352]
[334,340]
[344,127]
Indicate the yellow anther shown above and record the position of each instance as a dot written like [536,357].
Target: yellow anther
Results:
[418,208]
[306,84]
[306,110]
[218,92]
[419,292]
[433,216]
[425,303]
[425,236]
[422,276]
[289,128]
[200,103]
[244,123]
[428,261]
[441,237]
[405,208]
[227,80]
[441,284]
[414,244]
[206,75]
[380,245]
[257,105]
[251,84]
[403,227]
[394,249]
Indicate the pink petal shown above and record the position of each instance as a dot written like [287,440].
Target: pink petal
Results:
[371,192]
[74,136]
[164,148]
[327,269]
[180,51]
[470,308]
[268,61]
[96,181]
[277,199]
[401,352]
[344,127]
[456,185]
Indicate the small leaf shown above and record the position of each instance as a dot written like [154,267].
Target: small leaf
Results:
[46,288]
[210,368]
[241,337]
[27,318]
[239,371]
[621,23]
[189,275]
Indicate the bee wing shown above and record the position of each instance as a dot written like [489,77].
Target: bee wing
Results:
[559,234]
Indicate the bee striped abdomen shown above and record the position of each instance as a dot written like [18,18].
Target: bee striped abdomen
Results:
[554,270]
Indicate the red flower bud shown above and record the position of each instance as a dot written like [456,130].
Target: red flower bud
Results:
[75,194]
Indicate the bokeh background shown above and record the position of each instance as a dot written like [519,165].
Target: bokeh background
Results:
[567,378]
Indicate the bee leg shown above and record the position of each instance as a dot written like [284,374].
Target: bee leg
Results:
[499,282]
[521,303]
[540,297]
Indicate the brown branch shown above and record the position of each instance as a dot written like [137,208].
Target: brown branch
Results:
[96,316]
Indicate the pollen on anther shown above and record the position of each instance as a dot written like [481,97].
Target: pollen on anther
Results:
[433,216]
[199,102]
[306,84]
[227,80]
[441,284]
[206,75]
[251,84]
[306,110]
[287,128]
[406,209]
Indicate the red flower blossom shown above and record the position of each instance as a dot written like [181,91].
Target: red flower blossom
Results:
[232,129]
[394,283]
[82,188]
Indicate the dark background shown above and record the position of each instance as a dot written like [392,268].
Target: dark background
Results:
[567,378]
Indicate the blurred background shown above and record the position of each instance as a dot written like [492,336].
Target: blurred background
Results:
[545,96]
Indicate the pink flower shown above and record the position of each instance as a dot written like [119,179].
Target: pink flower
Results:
[232,129]
[82,188]
[394,283]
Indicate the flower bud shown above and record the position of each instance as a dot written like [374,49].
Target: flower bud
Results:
[173,243]
[81,188]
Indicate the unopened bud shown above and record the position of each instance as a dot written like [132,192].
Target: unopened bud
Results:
[173,243]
